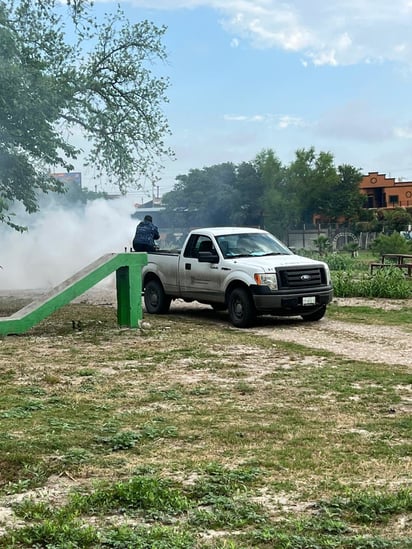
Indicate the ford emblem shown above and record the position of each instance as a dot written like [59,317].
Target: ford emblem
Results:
[305,277]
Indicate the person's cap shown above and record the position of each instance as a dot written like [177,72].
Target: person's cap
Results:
[148,218]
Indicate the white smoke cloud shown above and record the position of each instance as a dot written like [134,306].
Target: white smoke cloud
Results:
[61,242]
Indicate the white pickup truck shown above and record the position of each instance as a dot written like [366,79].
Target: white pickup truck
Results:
[247,271]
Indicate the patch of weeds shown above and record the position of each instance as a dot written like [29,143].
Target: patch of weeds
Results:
[52,379]
[16,413]
[223,512]
[370,507]
[244,388]
[60,401]
[276,537]
[7,375]
[115,392]
[32,390]
[76,456]
[165,394]
[152,431]
[58,424]
[216,480]
[23,411]
[296,351]
[158,537]
[149,493]
[123,440]
[85,372]
[388,283]
[332,526]
[323,525]
[53,534]
[11,462]
[17,487]
[32,510]
[201,391]
[138,355]
[149,431]
[225,543]
[18,474]
[88,386]
[284,486]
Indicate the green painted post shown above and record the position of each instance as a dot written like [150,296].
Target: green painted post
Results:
[129,290]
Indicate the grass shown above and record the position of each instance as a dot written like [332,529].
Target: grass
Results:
[190,434]
[368,315]
[351,276]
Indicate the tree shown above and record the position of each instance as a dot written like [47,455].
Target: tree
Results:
[202,197]
[60,76]
[265,193]
[322,244]
[391,244]
[397,219]
[276,204]
[246,197]
[321,188]
[347,198]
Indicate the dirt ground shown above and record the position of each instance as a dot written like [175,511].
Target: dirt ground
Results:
[355,341]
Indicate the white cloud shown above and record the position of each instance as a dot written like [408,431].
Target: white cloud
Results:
[290,121]
[334,33]
[243,118]
[282,121]
[404,133]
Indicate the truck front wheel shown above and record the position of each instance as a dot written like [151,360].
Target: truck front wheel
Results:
[155,299]
[317,315]
[242,311]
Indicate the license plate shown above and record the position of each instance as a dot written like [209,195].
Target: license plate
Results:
[309,300]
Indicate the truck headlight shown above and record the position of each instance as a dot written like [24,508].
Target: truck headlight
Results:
[328,277]
[269,280]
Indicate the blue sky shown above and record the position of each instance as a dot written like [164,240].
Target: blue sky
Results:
[248,75]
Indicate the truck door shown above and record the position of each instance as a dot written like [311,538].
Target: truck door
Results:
[202,281]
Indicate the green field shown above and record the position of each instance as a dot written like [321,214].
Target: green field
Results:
[188,433]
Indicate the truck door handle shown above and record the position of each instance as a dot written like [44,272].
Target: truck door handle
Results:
[188,266]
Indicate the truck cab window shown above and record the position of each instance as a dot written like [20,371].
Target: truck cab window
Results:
[198,243]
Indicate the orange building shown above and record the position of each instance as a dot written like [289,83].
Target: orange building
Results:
[385,192]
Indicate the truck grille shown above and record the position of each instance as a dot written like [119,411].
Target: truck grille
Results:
[301,278]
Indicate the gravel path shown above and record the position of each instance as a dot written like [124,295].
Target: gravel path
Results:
[376,344]
[358,341]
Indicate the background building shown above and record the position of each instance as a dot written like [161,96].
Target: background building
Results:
[385,192]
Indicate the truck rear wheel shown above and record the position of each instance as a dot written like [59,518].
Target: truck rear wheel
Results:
[155,299]
[242,311]
[316,315]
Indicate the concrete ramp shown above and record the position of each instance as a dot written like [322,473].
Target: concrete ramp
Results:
[128,267]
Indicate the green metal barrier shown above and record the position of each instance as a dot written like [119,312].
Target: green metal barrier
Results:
[128,267]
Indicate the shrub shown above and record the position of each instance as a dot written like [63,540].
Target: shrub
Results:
[338,262]
[387,283]
[397,219]
[391,244]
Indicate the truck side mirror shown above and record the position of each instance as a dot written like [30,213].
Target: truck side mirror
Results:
[208,257]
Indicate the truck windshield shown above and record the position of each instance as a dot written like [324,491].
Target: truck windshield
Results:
[251,245]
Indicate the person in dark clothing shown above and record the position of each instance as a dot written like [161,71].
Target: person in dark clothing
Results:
[146,234]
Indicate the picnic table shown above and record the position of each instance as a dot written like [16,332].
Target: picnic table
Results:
[402,261]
